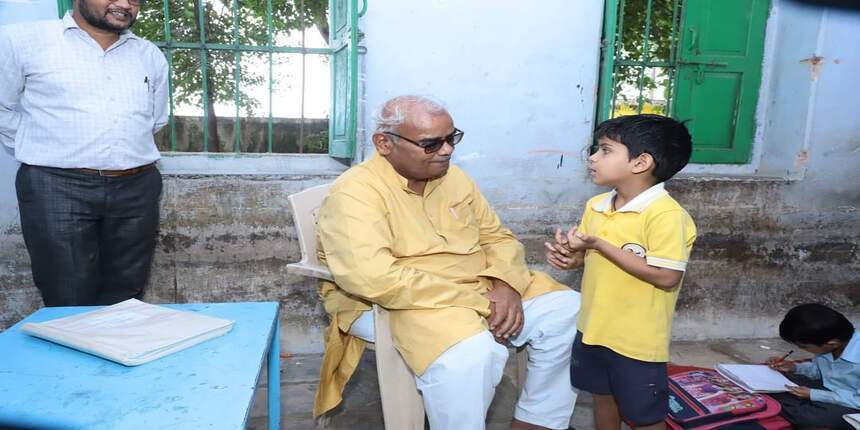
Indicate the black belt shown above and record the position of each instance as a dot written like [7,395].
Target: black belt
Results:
[126,172]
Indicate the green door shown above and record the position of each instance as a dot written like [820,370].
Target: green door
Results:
[344,74]
[718,76]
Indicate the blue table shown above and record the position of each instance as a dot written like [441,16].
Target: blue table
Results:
[208,386]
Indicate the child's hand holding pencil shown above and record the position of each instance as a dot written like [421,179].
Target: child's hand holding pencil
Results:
[780,363]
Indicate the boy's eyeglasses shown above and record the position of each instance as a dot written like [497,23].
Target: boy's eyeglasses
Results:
[432,145]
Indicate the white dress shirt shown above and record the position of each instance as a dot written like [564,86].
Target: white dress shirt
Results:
[66,102]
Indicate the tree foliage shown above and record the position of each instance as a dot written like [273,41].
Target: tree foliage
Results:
[632,42]
[288,17]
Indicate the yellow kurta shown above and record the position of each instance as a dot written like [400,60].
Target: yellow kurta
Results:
[426,258]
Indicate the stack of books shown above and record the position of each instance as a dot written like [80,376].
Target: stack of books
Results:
[130,332]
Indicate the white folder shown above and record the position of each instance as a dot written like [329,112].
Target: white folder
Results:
[130,332]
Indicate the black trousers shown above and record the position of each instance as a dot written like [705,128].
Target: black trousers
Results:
[90,238]
[804,413]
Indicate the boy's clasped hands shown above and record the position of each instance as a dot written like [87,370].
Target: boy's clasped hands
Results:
[568,251]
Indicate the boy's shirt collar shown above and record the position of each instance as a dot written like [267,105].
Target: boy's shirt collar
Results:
[852,350]
[637,204]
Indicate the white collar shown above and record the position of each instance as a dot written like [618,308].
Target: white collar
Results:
[638,204]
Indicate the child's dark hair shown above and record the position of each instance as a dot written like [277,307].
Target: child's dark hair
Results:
[815,324]
[665,139]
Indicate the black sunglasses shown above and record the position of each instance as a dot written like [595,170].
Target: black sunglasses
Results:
[432,145]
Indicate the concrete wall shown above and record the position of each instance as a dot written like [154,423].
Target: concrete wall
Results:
[521,82]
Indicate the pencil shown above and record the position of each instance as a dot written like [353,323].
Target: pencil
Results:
[781,359]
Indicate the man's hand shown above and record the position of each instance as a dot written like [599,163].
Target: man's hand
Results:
[506,310]
[802,392]
[778,363]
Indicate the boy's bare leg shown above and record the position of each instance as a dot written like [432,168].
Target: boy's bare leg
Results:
[608,417]
[606,414]
[520,425]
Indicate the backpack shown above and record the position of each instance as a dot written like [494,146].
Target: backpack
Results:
[702,399]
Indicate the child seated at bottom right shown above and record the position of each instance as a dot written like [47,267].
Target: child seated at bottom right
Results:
[829,385]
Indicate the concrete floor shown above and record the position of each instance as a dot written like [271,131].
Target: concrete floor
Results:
[361,408]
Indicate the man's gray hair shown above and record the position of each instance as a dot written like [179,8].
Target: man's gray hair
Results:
[393,113]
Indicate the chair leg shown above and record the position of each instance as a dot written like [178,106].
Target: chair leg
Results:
[402,405]
[323,421]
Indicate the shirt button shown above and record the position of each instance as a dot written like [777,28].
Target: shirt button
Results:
[108,78]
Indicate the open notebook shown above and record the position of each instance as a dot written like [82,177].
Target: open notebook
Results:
[755,378]
[853,419]
[130,332]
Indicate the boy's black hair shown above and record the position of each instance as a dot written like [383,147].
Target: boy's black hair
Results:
[666,139]
[815,324]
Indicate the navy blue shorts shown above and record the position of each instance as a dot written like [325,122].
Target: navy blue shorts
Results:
[640,388]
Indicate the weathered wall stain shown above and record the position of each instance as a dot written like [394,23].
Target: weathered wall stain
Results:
[814,63]
[229,238]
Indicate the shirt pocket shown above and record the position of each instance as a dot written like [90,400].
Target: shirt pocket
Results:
[462,224]
[140,95]
[136,86]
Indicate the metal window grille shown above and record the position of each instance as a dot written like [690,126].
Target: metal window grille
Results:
[215,49]
[211,59]
[638,65]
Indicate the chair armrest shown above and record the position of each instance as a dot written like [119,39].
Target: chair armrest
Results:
[310,270]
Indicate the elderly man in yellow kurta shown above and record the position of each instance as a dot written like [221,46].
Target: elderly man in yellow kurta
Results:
[412,233]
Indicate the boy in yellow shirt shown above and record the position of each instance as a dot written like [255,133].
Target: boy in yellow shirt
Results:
[634,242]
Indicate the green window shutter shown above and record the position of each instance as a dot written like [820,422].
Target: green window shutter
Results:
[63,6]
[605,88]
[718,76]
[344,74]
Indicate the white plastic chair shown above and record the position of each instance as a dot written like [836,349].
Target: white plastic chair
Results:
[402,405]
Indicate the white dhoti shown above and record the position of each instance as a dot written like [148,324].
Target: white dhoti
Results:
[459,385]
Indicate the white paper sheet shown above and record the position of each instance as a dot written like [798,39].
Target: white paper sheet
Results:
[756,378]
[853,419]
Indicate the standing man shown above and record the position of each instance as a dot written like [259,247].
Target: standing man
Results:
[80,100]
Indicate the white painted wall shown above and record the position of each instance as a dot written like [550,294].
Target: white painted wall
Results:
[519,78]
[11,12]
[522,81]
